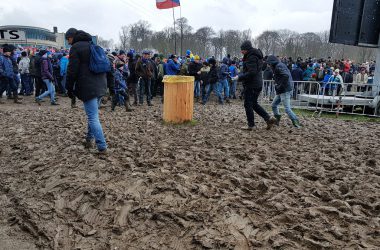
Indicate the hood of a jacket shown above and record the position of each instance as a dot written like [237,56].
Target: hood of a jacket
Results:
[273,60]
[255,52]
[82,36]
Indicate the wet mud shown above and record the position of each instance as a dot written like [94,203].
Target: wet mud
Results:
[203,186]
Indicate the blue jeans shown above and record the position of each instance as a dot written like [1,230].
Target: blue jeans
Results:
[50,91]
[224,86]
[212,87]
[144,87]
[233,89]
[285,99]
[63,83]
[197,89]
[94,127]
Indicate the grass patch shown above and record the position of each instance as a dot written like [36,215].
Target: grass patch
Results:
[344,117]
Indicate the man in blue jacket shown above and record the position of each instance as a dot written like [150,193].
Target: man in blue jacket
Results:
[223,82]
[172,66]
[284,87]
[7,74]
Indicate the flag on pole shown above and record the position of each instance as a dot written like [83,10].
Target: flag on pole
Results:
[167,4]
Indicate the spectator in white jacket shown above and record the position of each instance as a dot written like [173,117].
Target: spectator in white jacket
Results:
[26,83]
[361,80]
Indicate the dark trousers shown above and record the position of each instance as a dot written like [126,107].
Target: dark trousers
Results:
[251,105]
[159,87]
[25,84]
[144,88]
[8,84]
[132,89]
[40,86]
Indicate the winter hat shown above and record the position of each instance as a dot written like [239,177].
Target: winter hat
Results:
[196,57]
[121,52]
[130,55]
[42,52]
[336,71]
[70,33]
[212,61]
[7,48]
[146,52]
[246,45]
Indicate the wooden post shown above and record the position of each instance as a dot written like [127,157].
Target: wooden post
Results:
[178,99]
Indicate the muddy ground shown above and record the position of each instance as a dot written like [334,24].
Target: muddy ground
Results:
[208,186]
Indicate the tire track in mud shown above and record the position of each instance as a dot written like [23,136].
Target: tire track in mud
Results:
[206,186]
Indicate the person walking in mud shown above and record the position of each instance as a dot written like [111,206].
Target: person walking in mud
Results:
[86,85]
[284,90]
[251,77]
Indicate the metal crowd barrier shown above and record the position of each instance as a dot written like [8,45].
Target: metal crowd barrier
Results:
[346,98]
[350,98]
[303,96]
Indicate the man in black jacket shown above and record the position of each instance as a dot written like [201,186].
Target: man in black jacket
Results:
[86,85]
[252,80]
[195,70]
[212,84]
[284,87]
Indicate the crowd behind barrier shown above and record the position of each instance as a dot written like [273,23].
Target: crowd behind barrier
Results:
[315,80]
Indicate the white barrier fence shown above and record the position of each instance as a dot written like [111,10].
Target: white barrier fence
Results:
[353,98]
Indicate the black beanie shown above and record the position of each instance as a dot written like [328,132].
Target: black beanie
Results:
[70,33]
[7,48]
[246,45]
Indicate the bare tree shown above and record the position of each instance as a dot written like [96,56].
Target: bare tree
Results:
[124,36]
[206,42]
[140,35]
[268,41]
[105,43]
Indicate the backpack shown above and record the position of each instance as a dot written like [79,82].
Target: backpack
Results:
[99,63]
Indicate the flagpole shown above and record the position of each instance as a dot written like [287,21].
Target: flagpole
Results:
[180,15]
[175,34]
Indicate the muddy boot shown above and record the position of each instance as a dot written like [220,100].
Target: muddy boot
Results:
[271,122]
[73,103]
[1,102]
[278,119]
[38,101]
[88,144]
[127,105]
[17,99]
[296,124]
[248,128]
[113,105]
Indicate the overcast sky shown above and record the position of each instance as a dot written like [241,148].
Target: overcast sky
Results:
[105,17]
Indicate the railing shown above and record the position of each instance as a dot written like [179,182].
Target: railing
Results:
[352,98]
[306,89]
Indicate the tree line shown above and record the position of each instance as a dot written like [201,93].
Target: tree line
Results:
[207,42]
